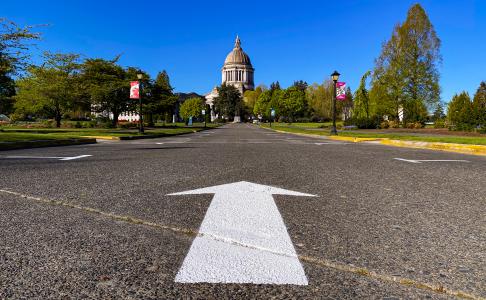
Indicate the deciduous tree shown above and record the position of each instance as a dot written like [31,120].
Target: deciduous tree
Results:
[192,107]
[51,89]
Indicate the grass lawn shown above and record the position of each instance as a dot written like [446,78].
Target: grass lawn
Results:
[311,129]
[11,134]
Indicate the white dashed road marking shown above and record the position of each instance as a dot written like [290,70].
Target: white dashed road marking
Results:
[47,157]
[419,161]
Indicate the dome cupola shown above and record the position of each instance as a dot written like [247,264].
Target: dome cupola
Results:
[237,55]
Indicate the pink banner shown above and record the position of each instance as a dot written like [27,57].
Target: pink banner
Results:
[341,90]
[134,90]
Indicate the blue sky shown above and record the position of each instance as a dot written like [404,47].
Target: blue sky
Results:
[286,40]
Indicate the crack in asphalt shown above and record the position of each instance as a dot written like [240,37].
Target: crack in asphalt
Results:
[439,289]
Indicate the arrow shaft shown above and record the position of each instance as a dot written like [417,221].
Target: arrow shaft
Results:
[250,218]
[243,239]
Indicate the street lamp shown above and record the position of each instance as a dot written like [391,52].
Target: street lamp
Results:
[140,128]
[335,77]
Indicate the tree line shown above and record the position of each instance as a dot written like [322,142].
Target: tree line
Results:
[66,86]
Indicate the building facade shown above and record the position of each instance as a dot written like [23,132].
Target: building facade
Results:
[237,71]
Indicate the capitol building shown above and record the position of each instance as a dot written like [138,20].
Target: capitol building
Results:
[237,71]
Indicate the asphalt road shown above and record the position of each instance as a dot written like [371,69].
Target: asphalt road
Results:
[104,227]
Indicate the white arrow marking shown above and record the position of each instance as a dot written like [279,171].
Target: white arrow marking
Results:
[419,161]
[49,157]
[242,239]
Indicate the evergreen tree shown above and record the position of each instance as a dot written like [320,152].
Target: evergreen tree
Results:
[459,112]
[164,99]
[479,105]
[439,112]
[275,86]
[300,85]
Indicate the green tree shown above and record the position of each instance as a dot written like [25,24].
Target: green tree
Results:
[319,97]
[7,91]
[262,105]
[293,103]
[406,73]
[459,111]
[362,105]
[439,112]
[300,85]
[164,98]
[192,107]
[14,57]
[250,98]
[479,105]
[275,86]
[229,102]
[51,89]
[108,87]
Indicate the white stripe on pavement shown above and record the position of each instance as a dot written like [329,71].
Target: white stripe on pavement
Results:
[419,161]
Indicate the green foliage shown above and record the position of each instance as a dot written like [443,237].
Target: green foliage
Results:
[107,85]
[192,107]
[250,98]
[229,102]
[51,89]
[459,112]
[362,100]
[406,73]
[293,103]
[163,99]
[319,99]
[262,105]
[479,105]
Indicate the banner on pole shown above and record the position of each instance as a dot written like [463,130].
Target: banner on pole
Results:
[134,90]
[341,90]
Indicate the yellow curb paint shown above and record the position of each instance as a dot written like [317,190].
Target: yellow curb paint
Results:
[353,139]
[450,147]
[102,137]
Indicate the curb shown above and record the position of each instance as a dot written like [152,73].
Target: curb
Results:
[353,139]
[137,137]
[449,147]
[44,143]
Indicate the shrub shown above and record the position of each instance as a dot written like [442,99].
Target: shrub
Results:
[418,125]
[384,125]
[363,123]
[439,124]
[127,125]
[48,123]
[393,124]
[78,125]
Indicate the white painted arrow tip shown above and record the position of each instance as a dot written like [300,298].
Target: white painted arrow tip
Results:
[242,187]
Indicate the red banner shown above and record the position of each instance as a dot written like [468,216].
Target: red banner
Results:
[134,90]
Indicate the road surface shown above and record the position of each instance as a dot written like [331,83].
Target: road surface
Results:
[120,220]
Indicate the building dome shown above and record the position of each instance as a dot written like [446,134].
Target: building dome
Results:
[237,56]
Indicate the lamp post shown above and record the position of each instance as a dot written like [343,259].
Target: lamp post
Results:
[140,128]
[335,78]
